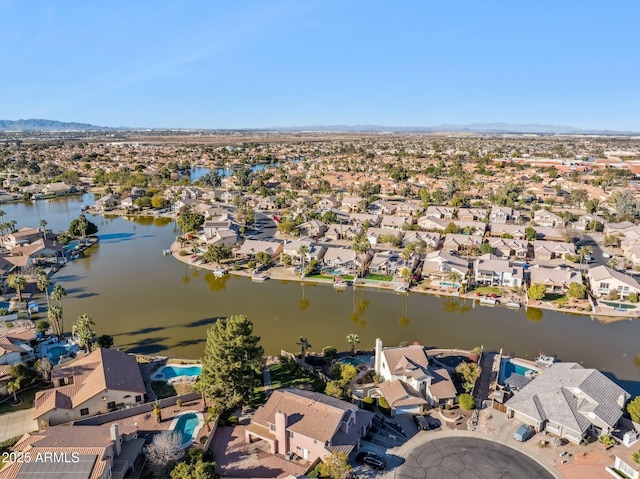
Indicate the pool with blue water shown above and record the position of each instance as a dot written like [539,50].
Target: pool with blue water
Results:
[173,371]
[508,367]
[187,425]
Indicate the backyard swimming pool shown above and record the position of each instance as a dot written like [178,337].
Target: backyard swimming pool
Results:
[508,366]
[176,370]
[355,360]
[55,352]
[188,425]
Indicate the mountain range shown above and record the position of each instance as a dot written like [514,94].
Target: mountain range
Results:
[53,125]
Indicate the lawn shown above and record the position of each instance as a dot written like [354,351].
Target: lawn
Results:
[26,397]
[556,298]
[379,277]
[165,390]
[320,276]
[488,290]
[284,375]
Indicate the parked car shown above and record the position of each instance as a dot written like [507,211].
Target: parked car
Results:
[524,433]
[372,460]
[425,423]
[606,255]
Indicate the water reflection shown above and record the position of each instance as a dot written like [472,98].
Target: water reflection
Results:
[534,315]
[216,283]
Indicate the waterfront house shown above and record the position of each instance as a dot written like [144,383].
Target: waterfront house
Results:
[105,380]
[605,280]
[108,202]
[337,231]
[440,264]
[443,212]
[431,240]
[88,452]
[493,271]
[21,237]
[15,346]
[410,365]
[507,247]
[345,259]
[402,398]
[569,401]
[391,263]
[556,280]
[310,424]
[503,214]
[472,214]
[250,248]
[547,219]
[291,248]
[548,250]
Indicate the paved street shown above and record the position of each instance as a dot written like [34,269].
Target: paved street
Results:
[16,424]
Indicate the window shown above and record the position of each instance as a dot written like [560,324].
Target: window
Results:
[84,411]
[138,398]
[290,433]
[604,285]
[272,427]
[111,405]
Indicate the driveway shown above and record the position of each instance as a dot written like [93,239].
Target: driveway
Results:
[17,423]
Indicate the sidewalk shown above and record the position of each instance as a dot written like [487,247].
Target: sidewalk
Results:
[17,423]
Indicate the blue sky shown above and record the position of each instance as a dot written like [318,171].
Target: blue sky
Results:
[235,64]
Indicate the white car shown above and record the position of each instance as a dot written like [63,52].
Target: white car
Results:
[606,255]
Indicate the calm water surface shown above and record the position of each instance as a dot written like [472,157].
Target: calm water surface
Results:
[156,305]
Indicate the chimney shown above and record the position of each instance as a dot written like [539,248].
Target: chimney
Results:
[115,437]
[378,358]
[282,435]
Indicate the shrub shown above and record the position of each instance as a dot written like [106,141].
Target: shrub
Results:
[633,297]
[251,264]
[179,403]
[329,352]
[467,402]
[367,403]
[384,406]
[613,294]
[183,253]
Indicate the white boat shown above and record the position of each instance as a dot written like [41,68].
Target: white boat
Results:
[340,284]
[259,277]
[546,361]
[166,252]
[219,273]
[489,301]
[514,304]
[403,288]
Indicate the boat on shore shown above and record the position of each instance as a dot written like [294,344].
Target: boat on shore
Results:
[514,304]
[402,289]
[545,361]
[259,276]
[489,301]
[340,283]
[219,273]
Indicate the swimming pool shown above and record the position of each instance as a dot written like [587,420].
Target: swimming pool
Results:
[355,361]
[176,370]
[188,425]
[55,352]
[509,366]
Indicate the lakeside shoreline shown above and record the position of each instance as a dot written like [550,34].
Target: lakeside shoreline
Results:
[282,274]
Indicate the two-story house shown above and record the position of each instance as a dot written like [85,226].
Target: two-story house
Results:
[493,271]
[605,280]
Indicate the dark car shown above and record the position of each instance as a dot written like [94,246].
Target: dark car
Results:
[372,460]
[424,423]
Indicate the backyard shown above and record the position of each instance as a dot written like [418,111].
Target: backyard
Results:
[287,374]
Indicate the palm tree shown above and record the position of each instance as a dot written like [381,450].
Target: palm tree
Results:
[303,251]
[42,283]
[13,386]
[304,346]
[82,329]
[454,277]
[17,282]
[361,246]
[353,339]
[57,294]
[11,224]
[201,387]
[613,263]
[43,224]
[55,318]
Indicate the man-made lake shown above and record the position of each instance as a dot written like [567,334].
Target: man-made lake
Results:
[200,171]
[154,304]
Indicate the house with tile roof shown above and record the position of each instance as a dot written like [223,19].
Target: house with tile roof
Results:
[569,401]
[604,280]
[507,247]
[83,452]
[493,271]
[309,424]
[556,280]
[422,384]
[15,347]
[336,231]
[431,240]
[105,380]
[250,248]
[552,249]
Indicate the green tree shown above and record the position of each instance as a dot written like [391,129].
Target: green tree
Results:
[158,202]
[335,465]
[263,258]
[577,290]
[232,362]
[470,373]
[82,227]
[592,206]
[197,466]
[452,228]
[336,389]
[485,248]
[466,401]
[530,233]
[216,253]
[82,329]
[13,386]
[304,346]
[633,408]
[55,317]
[189,222]
[42,283]
[43,367]
[353,339]
[17,282]
[42,326]
[104,341]
[361,246]
[537,291]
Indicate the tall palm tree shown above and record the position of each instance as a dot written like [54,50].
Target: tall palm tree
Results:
[55,318]
[361,246]
[353,339]
[43,225]
[42,283]
[17,282]
[82,329]
[304,346]
[11,224]
[454,277]
[57,294]
[303,251]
